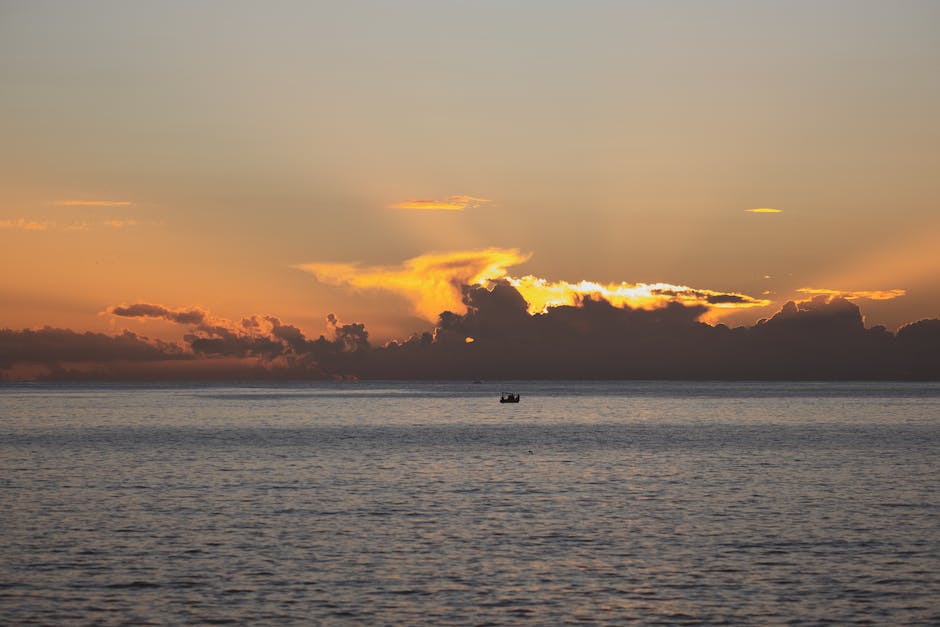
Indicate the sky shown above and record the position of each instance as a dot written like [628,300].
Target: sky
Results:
[365,159]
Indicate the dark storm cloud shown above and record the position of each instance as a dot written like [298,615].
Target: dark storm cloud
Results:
[716,299]
[822,338]
[282,349]
[32,353]
[593,340]
[261,347]
[268,338]
[50,346]
[919,342]
[146,310]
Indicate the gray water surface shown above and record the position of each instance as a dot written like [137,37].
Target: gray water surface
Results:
[387,503]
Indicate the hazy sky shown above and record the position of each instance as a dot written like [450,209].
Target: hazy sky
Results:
[202,153]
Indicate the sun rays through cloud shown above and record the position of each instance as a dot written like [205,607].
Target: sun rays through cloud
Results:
[434,283]
[542,294]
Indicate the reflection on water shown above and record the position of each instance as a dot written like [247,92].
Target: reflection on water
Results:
[393,503]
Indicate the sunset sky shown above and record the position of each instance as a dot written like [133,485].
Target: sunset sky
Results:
[298,159]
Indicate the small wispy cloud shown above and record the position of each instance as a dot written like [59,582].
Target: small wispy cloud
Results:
[764,210]
[451,203]
[119,224]
[24,224]
[851,295]
[192,315]
[92,203]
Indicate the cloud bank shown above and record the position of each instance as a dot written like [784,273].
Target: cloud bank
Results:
[821,338]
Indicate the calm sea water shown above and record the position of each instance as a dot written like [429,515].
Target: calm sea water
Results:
[432,503]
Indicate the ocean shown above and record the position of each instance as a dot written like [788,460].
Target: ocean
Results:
[432,503]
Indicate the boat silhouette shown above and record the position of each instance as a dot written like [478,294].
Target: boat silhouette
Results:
[509,397]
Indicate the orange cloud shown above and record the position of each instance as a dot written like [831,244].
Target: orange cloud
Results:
[541,295]
[26,225]
[452,203]
[93,203]
[433,282]
[764,210]
[46,225]
[869,294]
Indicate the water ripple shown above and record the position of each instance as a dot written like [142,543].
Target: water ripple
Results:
[190,505]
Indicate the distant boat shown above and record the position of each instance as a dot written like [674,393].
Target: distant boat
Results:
[508,397]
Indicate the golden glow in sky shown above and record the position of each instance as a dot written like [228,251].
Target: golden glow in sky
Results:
[542,294]
[433,283]
[452,203]
[636,152]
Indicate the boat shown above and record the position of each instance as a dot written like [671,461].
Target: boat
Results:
[509,397]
